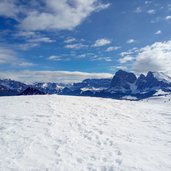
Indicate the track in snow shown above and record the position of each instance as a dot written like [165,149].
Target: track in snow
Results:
[49,133]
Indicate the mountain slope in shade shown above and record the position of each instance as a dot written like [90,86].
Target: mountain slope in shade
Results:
[152,81]
[31,91]
[4,91]
[128,83]
[123,81]
[13,85]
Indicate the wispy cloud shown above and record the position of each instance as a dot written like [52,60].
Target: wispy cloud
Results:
[41,40]
[122,67]
[102,42]
[126,59]
[114,68]
[75,46]
[112,48]
[130,41]
[26,64]
[7,55]
[138,10]
[8,9]
[158,32]
[27,45]
[69,40]
[55,58]
[168,17]
[25,34]
[10,57]
[31,39]
[98,58]
[148,2]
[52,76]
[151,11]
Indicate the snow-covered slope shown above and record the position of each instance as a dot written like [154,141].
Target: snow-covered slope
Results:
[61,133]
[162,77]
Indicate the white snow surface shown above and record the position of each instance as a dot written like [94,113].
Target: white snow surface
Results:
[62,133]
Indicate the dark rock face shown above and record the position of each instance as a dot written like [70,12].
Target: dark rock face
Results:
[141,82]
[123,80]
[4,91]
[31,91]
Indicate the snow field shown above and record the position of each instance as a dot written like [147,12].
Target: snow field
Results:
[62,133]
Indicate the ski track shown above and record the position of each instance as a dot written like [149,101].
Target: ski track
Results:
[61,133]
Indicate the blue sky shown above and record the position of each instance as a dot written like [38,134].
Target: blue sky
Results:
[69,40]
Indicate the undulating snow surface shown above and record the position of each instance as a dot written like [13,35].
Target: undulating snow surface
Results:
[60,133]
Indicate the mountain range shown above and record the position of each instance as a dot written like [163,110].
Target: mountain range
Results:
[122,85]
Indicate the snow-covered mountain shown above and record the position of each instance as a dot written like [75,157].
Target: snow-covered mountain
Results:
[17,87]
[12,85]
[162,77]
[123,84]
[92,84]
[153,81]
[64,133]
[88,87]
[50,88]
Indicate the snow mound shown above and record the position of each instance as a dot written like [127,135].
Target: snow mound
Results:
[61,133]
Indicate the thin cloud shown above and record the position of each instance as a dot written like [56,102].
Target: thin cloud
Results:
[102,42]
[130,41]
[97,58]
[55,58]
[126,59]
[75,46]
[158,32]
[26,64]
[52,76]
[41,40]
[10,57]
[7,55]
[151,11]
[113,48]
[69,40]
[138,10]
[168,17]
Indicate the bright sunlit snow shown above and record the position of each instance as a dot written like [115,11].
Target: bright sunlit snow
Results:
[61,133]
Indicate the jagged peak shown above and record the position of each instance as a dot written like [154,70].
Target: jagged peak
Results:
[119,72]
[150,74]
[142,76]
